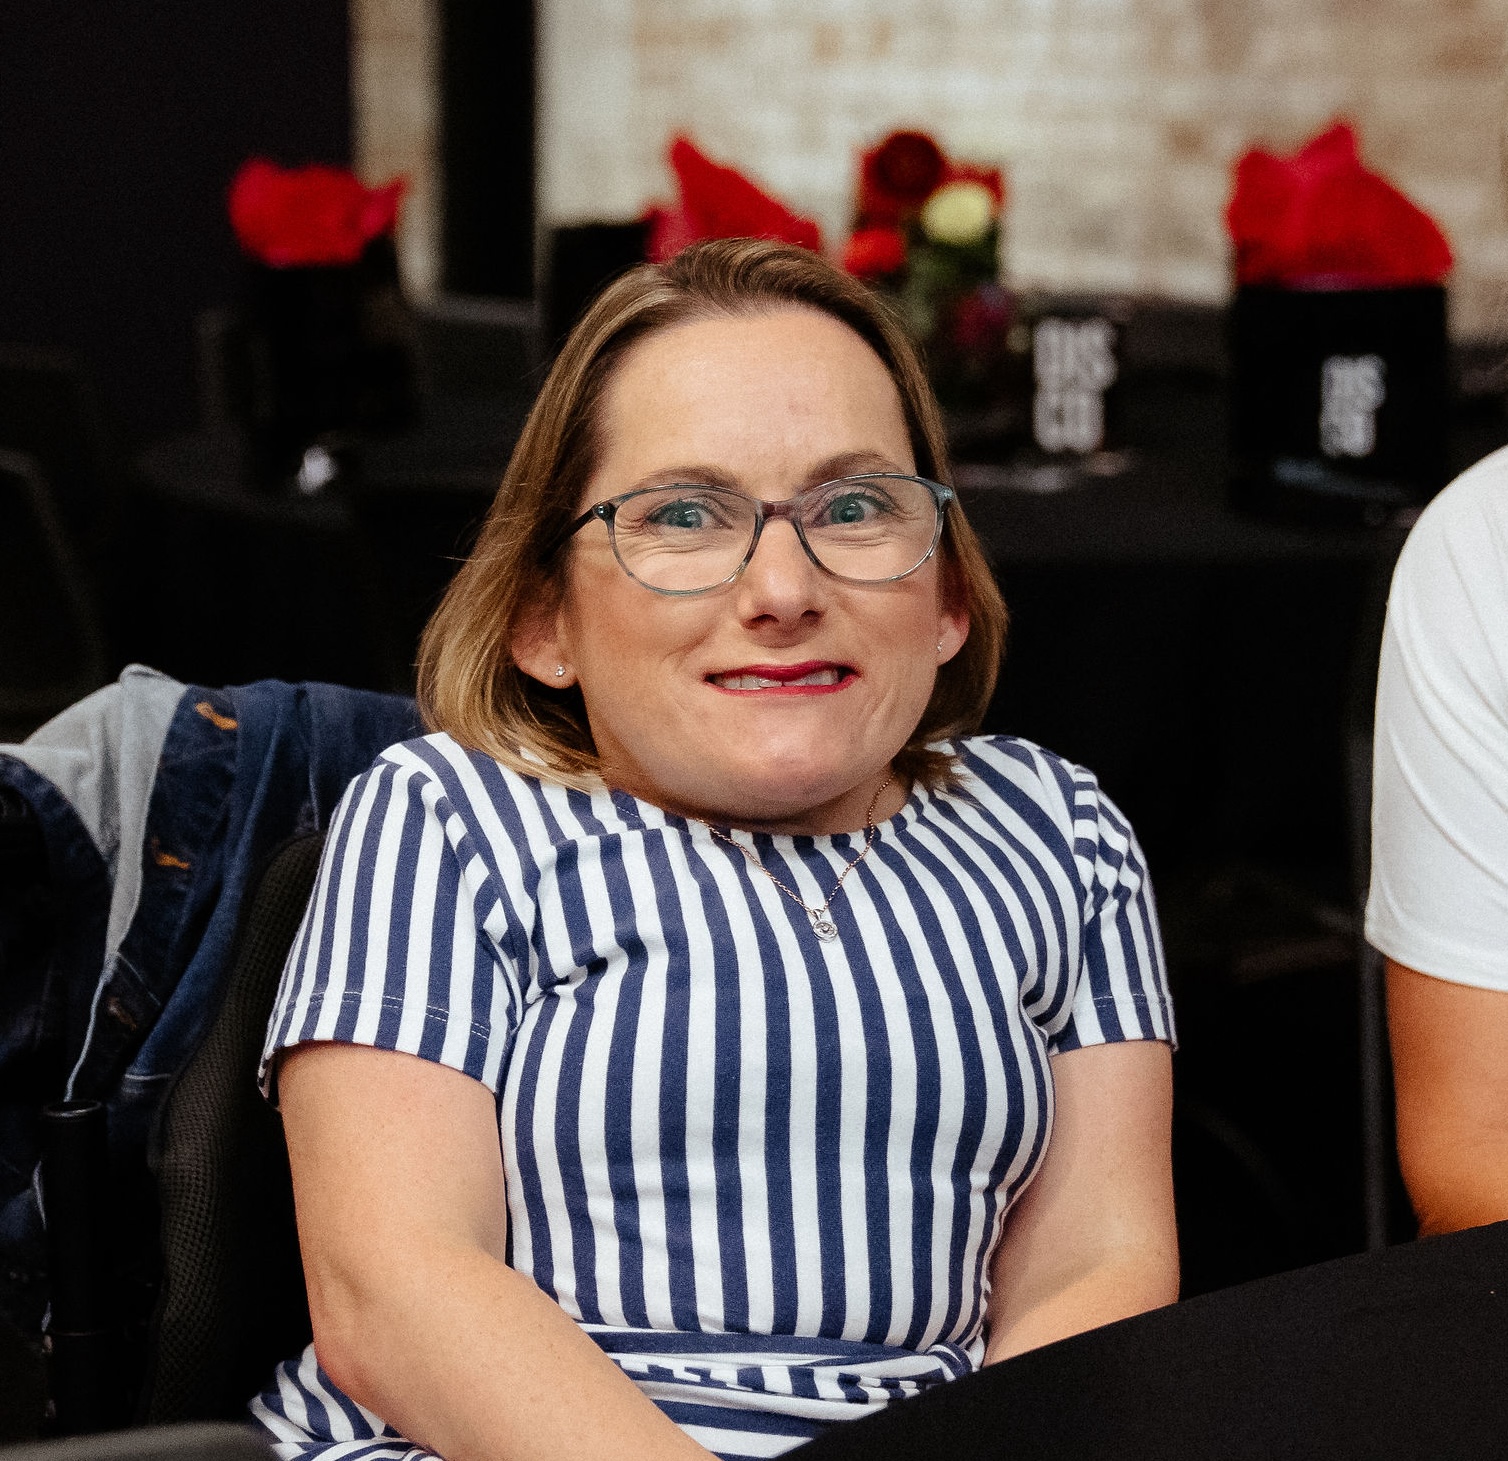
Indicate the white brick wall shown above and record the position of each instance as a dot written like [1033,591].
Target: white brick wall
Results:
[1116,120]
[393,89]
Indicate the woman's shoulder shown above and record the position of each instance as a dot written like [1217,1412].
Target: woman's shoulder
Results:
[1057,803]
[992,768]
[438,768]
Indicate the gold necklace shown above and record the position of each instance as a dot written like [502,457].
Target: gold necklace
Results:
[822,925]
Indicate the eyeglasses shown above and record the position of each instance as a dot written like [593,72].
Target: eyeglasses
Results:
[690,539]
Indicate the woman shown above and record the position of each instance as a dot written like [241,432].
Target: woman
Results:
[767,988]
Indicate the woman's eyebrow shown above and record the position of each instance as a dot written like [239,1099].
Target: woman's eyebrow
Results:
[843,464]
[853,464]
[687,476]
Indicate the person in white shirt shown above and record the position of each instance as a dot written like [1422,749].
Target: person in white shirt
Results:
[1438,903]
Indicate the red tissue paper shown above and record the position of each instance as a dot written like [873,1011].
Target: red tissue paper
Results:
[287,217]
[720,202]
[1320,218]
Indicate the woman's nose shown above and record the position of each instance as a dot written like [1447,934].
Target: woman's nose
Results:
[780,578]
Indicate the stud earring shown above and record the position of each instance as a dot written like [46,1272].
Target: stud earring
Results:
[560,670]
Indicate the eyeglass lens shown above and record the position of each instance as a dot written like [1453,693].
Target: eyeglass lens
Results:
[684,538]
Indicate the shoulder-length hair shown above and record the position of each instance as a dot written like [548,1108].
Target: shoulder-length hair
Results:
[469,684]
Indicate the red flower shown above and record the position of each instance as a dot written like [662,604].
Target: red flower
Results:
[874,252]
[308,215]
[1322,216]
[719,202]
[898,175]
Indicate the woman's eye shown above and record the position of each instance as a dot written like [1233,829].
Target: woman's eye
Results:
[851,508]
[685,515]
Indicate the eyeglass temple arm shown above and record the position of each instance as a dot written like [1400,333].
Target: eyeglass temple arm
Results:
[604,510]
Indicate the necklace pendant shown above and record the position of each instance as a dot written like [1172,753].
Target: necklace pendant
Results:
[825,930]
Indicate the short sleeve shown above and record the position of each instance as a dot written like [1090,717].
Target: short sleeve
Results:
[1438,900]
[396,948]
[1121,988]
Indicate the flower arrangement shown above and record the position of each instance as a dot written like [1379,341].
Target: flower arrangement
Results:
[927,232]
[328,337]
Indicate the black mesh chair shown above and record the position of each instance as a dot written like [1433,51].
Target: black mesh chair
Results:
[232,1302]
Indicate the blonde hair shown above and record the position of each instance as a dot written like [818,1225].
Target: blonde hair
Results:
[469,684]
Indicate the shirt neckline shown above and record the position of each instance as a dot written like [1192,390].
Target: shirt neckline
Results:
[647,815]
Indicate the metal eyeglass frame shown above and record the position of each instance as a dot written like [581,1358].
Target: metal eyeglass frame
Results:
[788,510]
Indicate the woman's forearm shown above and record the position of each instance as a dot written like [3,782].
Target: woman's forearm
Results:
[473,1361]
[402,1211]
[1114,1289]
[1093,1238]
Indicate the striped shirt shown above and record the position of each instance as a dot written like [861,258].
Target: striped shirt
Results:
[764,1172]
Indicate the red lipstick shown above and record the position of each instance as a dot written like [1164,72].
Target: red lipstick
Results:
[810,677]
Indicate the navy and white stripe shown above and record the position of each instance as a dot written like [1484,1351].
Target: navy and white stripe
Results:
[764,1172]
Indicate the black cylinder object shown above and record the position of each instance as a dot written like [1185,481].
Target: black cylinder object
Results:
[331,351]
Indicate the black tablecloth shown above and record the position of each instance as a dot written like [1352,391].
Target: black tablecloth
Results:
[1394,1356]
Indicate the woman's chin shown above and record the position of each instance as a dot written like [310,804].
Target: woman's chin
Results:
[785,796]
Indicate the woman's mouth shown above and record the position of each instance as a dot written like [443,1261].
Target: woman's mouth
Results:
[803,679]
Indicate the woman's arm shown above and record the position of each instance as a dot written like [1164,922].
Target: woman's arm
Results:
[398,1181]
[1093,1238]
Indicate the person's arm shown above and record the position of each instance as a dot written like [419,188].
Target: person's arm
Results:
[1093,1238]
[398,1182]
[1450,1075]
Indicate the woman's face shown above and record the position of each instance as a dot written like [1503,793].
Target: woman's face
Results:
[771,404]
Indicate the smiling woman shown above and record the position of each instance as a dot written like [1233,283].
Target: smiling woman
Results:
[745,987]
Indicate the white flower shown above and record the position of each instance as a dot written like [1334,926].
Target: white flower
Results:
[958,213]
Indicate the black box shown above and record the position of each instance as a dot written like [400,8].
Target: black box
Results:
[1075,374]
[1339,400]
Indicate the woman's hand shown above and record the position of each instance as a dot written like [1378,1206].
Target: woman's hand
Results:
[1093,1238]
[398,1180]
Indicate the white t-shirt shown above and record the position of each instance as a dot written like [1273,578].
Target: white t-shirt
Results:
[1439,894]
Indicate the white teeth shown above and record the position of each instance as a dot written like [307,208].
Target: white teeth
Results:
[759,682]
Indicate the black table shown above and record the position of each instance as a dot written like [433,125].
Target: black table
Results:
[1393,1356]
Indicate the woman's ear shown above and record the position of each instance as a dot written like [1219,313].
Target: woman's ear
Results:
[952,615]
[539,646]
[952,631]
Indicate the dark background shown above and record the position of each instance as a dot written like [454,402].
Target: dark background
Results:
[122,123]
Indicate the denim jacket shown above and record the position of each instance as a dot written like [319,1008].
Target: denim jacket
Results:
[156,803]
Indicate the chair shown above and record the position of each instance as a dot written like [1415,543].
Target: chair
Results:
[232,1302]
[1385,1203]
[52,650]
[158,1443]
[48,412]
[476,347]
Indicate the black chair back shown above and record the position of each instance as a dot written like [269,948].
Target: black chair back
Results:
[232,1303]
